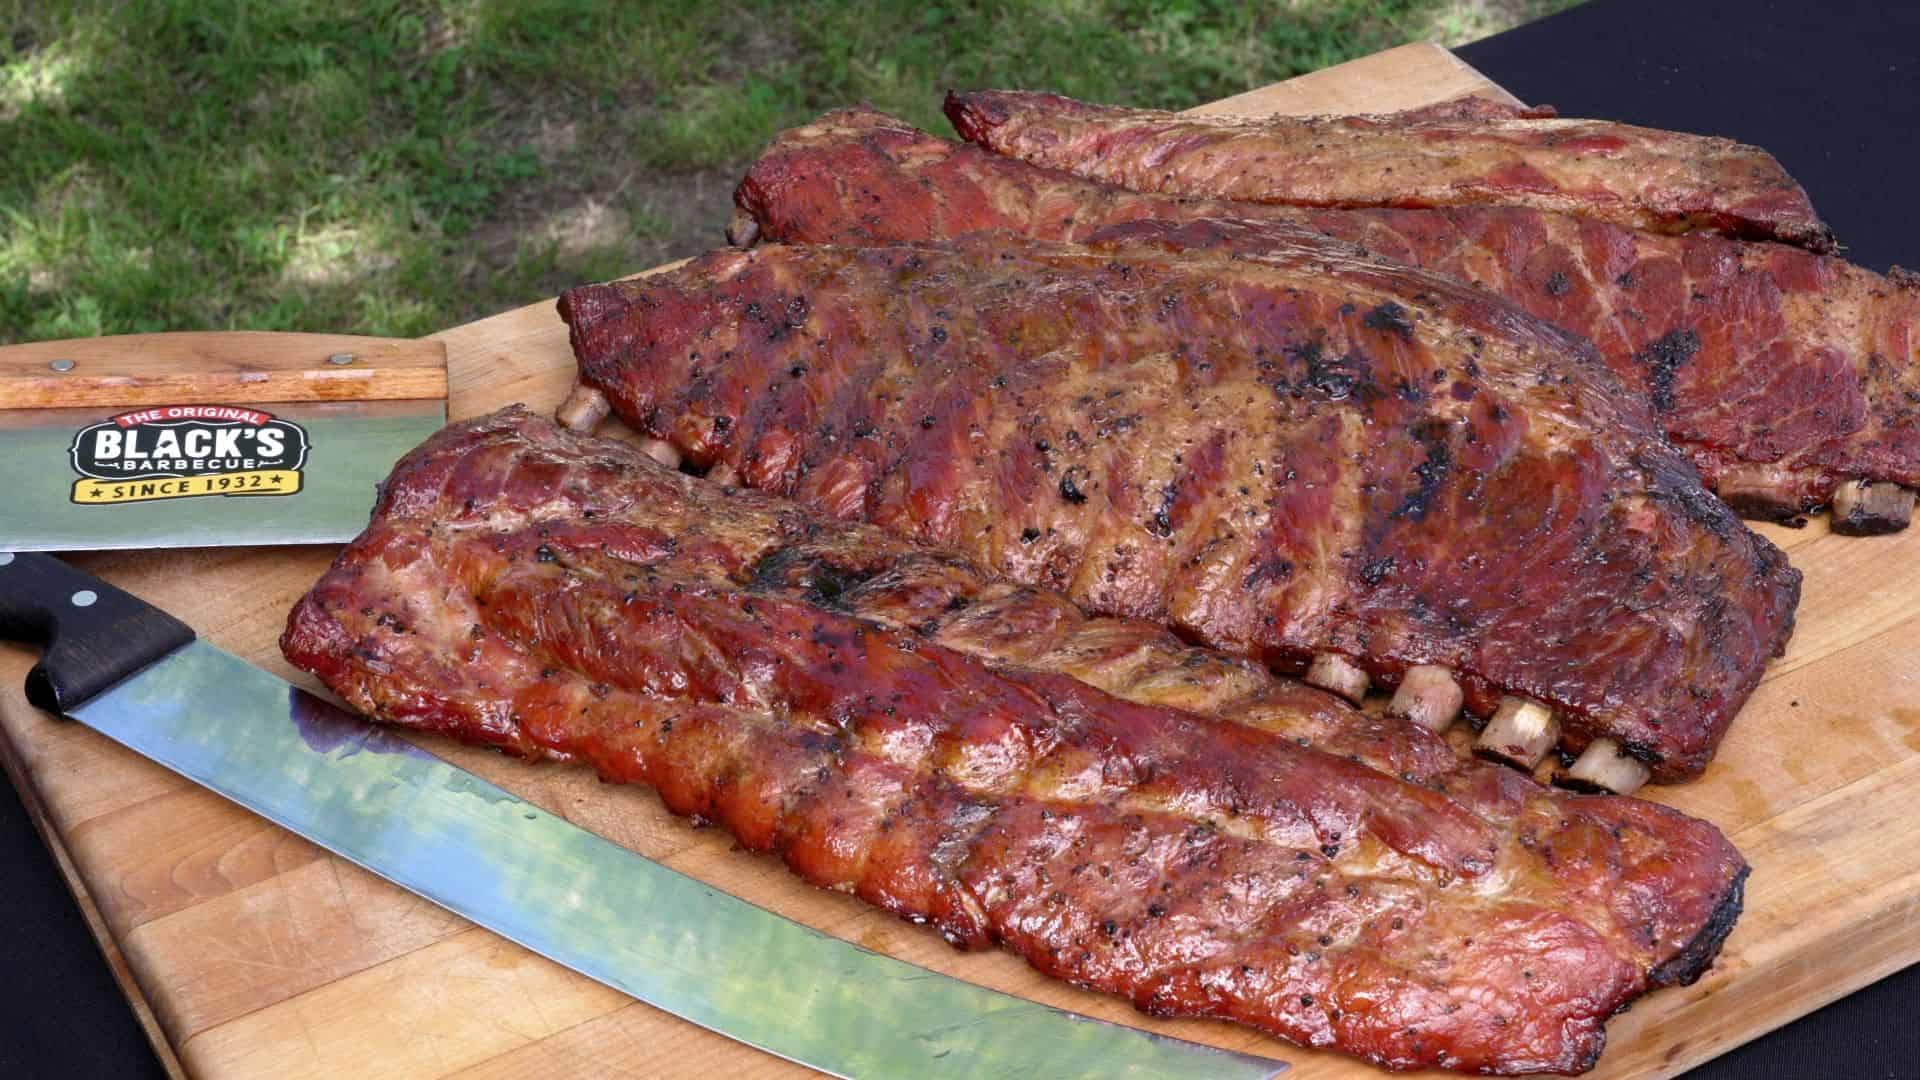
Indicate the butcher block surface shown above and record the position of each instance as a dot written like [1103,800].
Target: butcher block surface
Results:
[253,953]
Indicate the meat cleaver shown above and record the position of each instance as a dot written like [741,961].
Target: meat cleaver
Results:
[191,439]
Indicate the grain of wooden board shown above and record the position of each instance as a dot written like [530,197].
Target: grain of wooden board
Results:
[263,956]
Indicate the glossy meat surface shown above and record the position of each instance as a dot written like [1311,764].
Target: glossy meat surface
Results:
[1780,373]
[1313,452]
[1751,354]
[1462,153]
[893,723]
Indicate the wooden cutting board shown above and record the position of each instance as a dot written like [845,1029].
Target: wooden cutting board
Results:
[252,953]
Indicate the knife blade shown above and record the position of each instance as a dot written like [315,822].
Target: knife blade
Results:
[141,678]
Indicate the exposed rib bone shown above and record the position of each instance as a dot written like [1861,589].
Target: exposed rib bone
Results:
[1765,492]
[661,451]
[742,229]
[1429,696]
[1603,766]
[584,410]
[723,474]
[1520,733]
[1336,673]
[1869,508]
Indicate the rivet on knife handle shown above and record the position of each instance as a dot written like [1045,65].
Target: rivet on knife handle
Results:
[94,634]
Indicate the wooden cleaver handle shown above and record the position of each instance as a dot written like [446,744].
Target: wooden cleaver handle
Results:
[232,367]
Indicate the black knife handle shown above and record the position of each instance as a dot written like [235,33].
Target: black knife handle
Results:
[95,635]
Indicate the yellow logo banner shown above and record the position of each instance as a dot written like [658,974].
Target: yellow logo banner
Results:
[262,482]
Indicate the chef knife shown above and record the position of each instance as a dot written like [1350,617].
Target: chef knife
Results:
[172,440]
[140,677]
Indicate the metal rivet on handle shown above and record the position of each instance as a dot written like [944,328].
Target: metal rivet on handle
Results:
[61,365]
[85,598]
[340,358]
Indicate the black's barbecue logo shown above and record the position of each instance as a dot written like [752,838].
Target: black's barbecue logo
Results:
[184,451]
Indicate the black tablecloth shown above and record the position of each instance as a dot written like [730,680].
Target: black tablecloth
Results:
[1832,89]
[61,1014]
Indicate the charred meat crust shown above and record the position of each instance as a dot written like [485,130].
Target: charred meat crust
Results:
[1249,451]
[1685,967]
[1773,372]
[1486,155]
[894,723]
[1779,372]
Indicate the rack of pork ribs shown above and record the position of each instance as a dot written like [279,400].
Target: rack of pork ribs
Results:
[1787,375]
[1316,458]
[1124,810]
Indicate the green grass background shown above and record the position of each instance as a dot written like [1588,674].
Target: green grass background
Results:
[387,167]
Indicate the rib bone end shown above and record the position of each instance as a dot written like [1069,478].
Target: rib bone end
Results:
[723,474]
[1339,675]
[1603,766]
[1763,492]
[1871,508]
[742,229]
[1520,733]
[1428,695]
[584,410]
[661,451]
